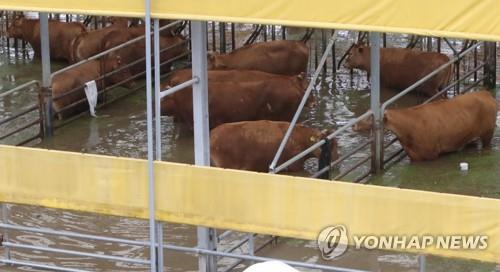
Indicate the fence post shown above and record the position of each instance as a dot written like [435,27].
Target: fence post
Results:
[222,37]
[5,220]
[46,91]
[325,159]
[490,61]
[377,156]
[206,236]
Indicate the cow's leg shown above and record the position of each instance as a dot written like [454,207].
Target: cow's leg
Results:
[486,138]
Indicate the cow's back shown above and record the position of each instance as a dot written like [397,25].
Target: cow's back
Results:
[278,57]
[252,145]
[400,68]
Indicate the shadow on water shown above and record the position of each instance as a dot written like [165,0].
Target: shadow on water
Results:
[120,130]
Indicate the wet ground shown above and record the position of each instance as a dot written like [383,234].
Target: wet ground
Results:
[120,130]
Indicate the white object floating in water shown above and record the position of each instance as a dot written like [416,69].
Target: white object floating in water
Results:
[91,93]
[271,266]
[464,166]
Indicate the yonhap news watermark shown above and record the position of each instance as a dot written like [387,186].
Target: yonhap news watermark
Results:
[333,242]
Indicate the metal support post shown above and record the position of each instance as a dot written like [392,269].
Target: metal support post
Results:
[206,236]
[377,156]
[159,248]
[46,82]
[325,159]
[149,112]
[490,61]
[222,37]
[421,263]
[156,34]
[5,220]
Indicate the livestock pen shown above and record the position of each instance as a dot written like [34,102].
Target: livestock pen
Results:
[192,195]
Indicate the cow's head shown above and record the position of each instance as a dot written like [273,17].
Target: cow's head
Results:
[358,57]
[365,125]
[15,29]
[214,61]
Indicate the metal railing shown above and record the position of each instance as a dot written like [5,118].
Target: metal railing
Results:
[30,109]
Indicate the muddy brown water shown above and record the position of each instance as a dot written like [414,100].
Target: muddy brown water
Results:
[120,130]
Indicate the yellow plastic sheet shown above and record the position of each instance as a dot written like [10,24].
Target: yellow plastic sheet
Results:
[244,201]
[470,19]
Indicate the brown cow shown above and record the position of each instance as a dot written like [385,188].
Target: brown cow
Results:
[277,57]
[238,95]
[428,130]
[60,35]
[252,145]
[90,43]
[64,84]
[176,47]
[180,76]
[401,67]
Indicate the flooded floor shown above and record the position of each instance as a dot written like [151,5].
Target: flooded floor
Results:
[120,130]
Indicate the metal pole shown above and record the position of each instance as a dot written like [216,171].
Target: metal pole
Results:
[222,37]
[421,263]
[5,220]
[46,81]
[159,249]
[149,100]
[156,34]
[490,64]
[377,144]
[206,236]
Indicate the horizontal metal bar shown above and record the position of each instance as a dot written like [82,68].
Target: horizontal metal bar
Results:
[179,87]
[19,129]
[391,142]
[224,234]
[258,258]
[360,178]
[388,159]
[73,234]
[236,263]
[473,84]
[39,136]
[428,76]
[25,111]
[305,97]
[343,174]
[320,143]
[342,158]
[33,82]
[42,266]
[455,83]
[108,51]
[76,253]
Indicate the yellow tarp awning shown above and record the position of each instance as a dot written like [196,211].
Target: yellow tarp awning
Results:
[244,201]
[472,19]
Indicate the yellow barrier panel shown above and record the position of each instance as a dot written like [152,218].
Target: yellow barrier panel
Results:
[244,201]
[470,19]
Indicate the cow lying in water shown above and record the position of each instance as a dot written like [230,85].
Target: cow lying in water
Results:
[401,67]
[64,84]
[252,145]
[60,35]
[238,95]
[428,130]
[277,57]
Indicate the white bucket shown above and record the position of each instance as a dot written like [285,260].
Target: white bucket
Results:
[91,93]
[464,166]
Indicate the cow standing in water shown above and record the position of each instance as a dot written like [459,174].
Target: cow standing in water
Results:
[133,52]
[90,43]
[252,145]
[276,57]
[401,67]
[239,95]
[64,85]
[428,130]
[60,35]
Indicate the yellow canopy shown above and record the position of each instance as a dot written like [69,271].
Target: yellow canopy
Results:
[471,19]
